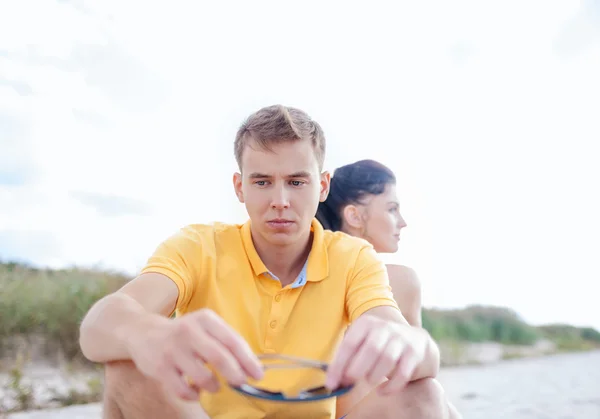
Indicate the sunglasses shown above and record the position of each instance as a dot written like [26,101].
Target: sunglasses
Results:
[274,361]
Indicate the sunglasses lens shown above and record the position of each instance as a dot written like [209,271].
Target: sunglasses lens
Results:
[320,392]
[316,393]
[290,381]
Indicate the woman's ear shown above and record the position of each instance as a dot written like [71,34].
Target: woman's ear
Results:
[353,216]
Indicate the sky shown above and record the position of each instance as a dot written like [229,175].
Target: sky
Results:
[117,122]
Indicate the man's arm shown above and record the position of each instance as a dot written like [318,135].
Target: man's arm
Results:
[167,280]
[112,321]
[133,324]
[379,343]
[430,364]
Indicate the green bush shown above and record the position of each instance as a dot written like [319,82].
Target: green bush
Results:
[571,338]
[498,324]
[590,334]
[50,303]
[478,324]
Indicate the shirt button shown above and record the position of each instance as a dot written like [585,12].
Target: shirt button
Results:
[273,324]
[278,297]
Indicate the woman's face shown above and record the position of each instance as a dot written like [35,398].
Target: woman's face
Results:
[381,220]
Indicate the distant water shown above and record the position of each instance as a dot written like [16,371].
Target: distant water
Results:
[555,387]
[565,386]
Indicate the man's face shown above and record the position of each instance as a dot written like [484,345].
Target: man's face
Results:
[281,190]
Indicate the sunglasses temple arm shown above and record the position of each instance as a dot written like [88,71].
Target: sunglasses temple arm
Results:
[300,361]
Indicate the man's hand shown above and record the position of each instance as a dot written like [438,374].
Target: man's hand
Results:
[374,349]
[178,350]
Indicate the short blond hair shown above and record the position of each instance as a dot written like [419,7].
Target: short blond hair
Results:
[276,124]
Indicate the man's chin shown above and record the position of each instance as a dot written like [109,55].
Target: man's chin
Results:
[281,238]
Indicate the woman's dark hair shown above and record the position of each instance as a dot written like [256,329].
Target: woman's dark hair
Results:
[349,185]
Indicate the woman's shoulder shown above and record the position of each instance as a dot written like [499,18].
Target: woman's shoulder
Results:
[403,273]
[400,270]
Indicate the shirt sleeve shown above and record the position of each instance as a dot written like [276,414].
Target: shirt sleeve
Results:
[369,285]
[175,258]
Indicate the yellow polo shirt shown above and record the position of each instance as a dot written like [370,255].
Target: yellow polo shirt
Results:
[217,267]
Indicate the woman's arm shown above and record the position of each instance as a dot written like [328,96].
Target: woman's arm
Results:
[407,292]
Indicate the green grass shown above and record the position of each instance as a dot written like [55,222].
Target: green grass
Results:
[570,338]
[499,324]
[479,324]
[52,303]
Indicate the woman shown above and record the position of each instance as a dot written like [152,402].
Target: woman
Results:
[362,202]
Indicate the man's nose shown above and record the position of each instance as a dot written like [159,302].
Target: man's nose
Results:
[280,199]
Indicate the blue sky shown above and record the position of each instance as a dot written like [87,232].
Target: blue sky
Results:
[117,122]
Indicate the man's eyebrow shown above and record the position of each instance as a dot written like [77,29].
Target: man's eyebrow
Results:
[257,175]
[301,173]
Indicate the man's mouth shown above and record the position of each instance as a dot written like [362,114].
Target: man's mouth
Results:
[280,222]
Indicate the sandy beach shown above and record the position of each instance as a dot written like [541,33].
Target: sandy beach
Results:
[565,386]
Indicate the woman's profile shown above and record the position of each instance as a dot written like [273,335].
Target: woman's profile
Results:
[363,202]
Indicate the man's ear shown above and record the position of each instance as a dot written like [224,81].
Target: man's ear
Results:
[325,183]
[353,216]
[237,186]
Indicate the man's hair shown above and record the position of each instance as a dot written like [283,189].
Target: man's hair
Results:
[349,185]
[277,124]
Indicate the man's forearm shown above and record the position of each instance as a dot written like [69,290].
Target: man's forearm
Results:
[110,324]
[430,365]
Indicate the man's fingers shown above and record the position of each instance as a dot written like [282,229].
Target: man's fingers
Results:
[199,375]
[217,355]
[350,344]
[230,339]
[402,373]
[194,338]
[368,356]
[175,383]
[387,361]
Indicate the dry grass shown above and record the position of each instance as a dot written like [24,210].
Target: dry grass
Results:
[50,303]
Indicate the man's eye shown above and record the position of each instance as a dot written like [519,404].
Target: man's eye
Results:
[260,182]
[297,182]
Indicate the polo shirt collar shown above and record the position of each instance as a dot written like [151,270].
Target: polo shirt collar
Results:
[318,262]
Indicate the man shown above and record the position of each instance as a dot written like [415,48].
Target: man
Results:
[278,284]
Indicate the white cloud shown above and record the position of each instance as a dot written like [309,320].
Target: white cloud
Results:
[488,123]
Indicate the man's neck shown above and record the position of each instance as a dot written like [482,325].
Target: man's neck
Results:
[285,262]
